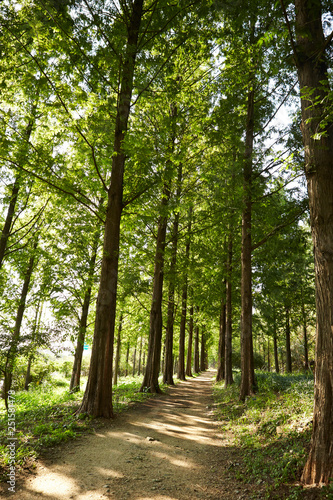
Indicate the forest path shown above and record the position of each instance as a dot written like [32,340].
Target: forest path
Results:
[167,448]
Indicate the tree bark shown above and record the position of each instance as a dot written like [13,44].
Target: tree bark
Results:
[11,355]
[288,350]
[310,58]
[221,352]
[188,370]
[117,359]
[203,351]
[276,357]
[97,400]
[247,365]
[181,361]
[168,366]
[140,357]
[150,380]
[196,346]
[74,385]
[228,378]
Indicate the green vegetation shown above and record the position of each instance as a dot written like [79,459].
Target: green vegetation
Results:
[273,428]
[45,416]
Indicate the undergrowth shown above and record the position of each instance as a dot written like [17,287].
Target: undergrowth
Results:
[273,429]
[45,417]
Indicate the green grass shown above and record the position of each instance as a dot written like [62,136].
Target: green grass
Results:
[273,429]
[45,417]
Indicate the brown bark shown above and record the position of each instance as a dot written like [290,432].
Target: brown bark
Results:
[9,219]
[276,357]
[203,352]
[11,355]
[150,380]
[288,350]
[221,351]
[97,400]
[117,358]
[181,360]
[247,365]
[311,64]
[196,347]
[134,362]
[188,370]
[127,359]
[228,378]
[140,357]
[168,366]
[74,385]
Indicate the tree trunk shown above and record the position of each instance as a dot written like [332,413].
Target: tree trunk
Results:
[127,359]
[228,379]
[221,352]
[74,385]
[117,359]
[203,351]
[276,357]
[311,62]
[150,380]
[28,374]
[97,400]
[140,357]
[196,347]
[288,350]
[9,219]
[168,366]
[181,361]
[188,371]
[247,365]
[11,355]
[134,362]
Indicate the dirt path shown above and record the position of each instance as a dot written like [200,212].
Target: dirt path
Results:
[168,448]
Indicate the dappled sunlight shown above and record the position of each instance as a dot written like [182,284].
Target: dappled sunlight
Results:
[178,462]
[107,473]
[54,482]
[158,451]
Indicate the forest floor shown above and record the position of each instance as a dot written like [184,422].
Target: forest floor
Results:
[166,448]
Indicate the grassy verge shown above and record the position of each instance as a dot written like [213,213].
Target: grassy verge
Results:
[44,418]
[273,429]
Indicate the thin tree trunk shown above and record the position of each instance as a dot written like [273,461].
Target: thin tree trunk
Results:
[35,328]
[181,362]
[202,351]
[117,359]
[134,361]
[74,385]
[288,350]
[97,400]
[127,359]
[247,365]
[276,357]
[140,356]
[189,346]
[168,366]
[196,346]
[9,219]
[228,378]
[221,352]
[11,355]
[150,380]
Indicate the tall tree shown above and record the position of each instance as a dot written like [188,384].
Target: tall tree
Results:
[311,57]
